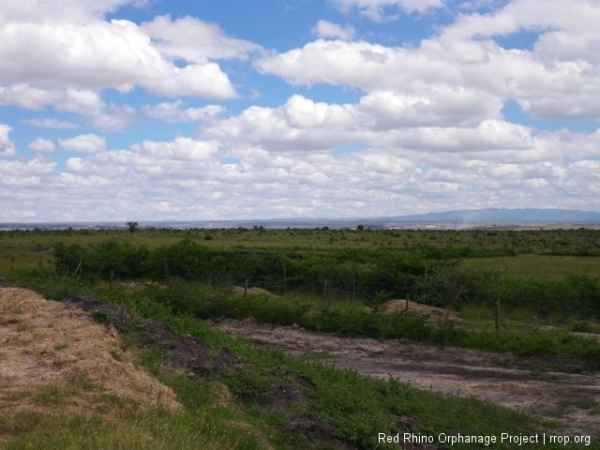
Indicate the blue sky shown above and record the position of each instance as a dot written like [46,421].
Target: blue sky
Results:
[154,110]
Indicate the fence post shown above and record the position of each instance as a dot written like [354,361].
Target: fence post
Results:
[585,299]
[497,308]
[167,269]
[78,266]
[284,280]
[407,300]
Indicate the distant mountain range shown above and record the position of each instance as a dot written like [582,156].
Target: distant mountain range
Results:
[503,216]
[448,219]
[464,218]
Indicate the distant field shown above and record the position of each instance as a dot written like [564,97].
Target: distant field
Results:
[546,254]
[541,267]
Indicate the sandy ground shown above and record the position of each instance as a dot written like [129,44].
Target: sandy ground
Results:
[571,399]
[54,356]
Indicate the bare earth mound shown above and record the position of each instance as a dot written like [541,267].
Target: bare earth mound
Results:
[57,349]
[399,306]
[240,292]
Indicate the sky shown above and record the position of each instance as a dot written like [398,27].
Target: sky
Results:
[118,110]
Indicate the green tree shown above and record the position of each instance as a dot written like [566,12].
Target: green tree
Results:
[133,226]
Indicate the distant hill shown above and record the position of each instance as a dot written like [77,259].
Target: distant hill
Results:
[448,219]
[505,216]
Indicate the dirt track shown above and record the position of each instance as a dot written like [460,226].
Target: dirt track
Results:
[571,399]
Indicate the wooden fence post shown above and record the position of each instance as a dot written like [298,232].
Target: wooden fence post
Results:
[167,269]
[78,266]
[586,304]
[497,309]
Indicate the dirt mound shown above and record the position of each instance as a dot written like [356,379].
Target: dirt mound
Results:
[51,347]
[399,306]
[138,285]
[240,292]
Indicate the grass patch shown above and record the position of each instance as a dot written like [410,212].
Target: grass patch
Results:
[539,267]
[154,429]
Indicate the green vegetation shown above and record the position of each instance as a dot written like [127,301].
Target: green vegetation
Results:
[331,280]
[155,429]
[277,398]
[324,280]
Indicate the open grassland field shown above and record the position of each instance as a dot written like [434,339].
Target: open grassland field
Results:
[31,246]
[501,316]
[556,270]
[537,254]
[536,266]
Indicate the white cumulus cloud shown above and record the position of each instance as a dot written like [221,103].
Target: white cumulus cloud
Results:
[175,112]
[60,51]
[194,40]
[382,10]
[42,145]
[7,147]
[329,30]
[84,143]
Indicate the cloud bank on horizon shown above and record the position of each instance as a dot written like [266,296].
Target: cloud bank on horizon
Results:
[156,110]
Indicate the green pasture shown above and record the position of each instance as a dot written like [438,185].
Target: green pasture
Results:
[21,249]
[539,267]
[582,241]
[547,281]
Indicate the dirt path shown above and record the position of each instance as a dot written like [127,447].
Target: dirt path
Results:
[571,399]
